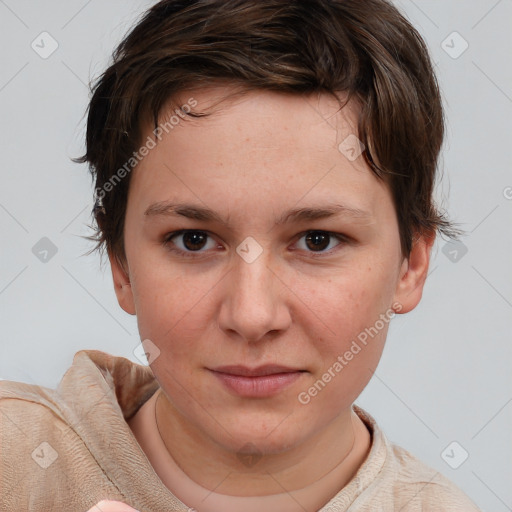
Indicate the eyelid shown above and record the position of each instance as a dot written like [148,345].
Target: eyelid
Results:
[187,254]
[342,239]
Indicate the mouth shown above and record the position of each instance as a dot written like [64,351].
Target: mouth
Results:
[260,371]
[259,382]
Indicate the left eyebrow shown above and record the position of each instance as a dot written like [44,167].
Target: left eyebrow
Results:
[195,212]
[324,212]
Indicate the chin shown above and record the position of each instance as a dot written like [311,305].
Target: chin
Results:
[249,439]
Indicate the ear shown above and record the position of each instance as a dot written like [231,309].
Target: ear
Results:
[413,272]
[122,285]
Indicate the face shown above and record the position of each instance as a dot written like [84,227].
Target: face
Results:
[253,237]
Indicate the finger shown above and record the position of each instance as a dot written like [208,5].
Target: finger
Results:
[111,506]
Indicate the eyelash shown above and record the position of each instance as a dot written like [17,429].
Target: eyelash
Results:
[196,254]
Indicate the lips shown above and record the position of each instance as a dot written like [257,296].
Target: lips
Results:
[243,371]
[263,381]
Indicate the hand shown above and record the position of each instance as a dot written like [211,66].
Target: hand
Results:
[111,506]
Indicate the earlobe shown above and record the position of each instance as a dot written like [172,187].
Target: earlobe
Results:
[413,273]
[122,285]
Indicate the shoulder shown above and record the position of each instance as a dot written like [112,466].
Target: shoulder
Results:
[21,405]
[417,486]
[394,479]
[30,428]
[31,420]
[43,459]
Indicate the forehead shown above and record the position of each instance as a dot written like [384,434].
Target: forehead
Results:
[271,107]
[283,149]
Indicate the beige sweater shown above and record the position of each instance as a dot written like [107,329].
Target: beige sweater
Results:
[69,448]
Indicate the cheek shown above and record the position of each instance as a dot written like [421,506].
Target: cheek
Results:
[348,352]
[169,307]
[350,327]
[344,305]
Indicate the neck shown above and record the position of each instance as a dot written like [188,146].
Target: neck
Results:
[326,461]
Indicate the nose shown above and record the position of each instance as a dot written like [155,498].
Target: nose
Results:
[254,301]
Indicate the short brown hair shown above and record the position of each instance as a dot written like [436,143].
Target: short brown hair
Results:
[364,48]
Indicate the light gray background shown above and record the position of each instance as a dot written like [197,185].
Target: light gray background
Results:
[446,372]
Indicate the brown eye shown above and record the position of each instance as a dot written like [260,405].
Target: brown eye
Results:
[188,242]
[194,240]
[317,240]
